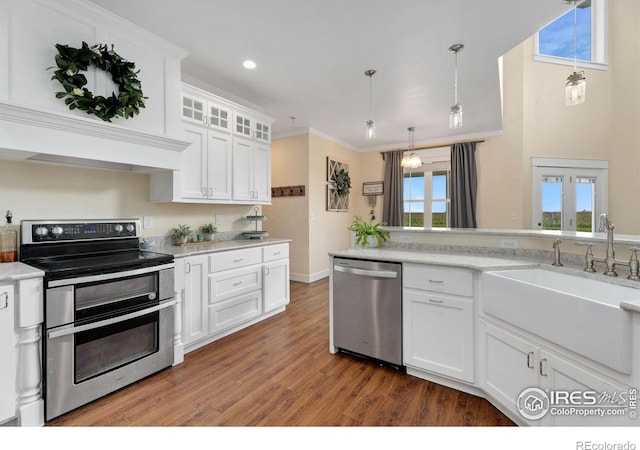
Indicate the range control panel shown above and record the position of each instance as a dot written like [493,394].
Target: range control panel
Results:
[49,231]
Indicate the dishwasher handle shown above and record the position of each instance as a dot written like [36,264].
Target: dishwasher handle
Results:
[366,272]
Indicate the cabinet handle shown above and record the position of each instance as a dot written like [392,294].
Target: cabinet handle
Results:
[542,361]
[436,281]
[237,260]
[210,192]
[4,302]
[237,283]
[529,356]
[205,119]
[187,268]
[436,300]
[276,253]
[204,191]
[266,271]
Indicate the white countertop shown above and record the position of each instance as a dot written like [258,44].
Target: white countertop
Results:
[18,271]
[623,239]
[482,262]
[469,261]
[181,251]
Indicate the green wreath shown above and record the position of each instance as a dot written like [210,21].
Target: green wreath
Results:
[71,61]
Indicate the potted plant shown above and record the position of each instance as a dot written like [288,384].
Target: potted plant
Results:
[181,234]
[208,230]
[342,181]
[368,234]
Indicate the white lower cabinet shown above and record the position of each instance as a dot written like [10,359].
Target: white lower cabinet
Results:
[228,313]
[225,291]
[439,334]
[276,284]
[438,321]
[195,318]
[7,354]
[510,364]
[507,365]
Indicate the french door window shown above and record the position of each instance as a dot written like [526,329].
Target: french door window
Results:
[568,195]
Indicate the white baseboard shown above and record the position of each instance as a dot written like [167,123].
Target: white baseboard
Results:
[304,278]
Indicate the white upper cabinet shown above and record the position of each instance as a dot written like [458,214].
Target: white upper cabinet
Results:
[229,160]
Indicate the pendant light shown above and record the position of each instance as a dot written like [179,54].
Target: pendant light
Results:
[455,114]
[370,134]
[576,86]
[410,159]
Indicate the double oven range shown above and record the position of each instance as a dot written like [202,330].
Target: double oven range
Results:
[108,305]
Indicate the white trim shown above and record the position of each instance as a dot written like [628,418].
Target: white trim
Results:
[304,278]
[571,163]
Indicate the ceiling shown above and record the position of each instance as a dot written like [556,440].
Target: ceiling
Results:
[311,57]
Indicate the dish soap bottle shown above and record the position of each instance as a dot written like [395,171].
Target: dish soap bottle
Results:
[9,241]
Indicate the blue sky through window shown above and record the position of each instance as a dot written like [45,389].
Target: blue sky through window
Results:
[414,190]
[556,39]
[552,197]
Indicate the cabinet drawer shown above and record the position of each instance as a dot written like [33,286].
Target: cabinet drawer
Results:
[449,280]
[234,259]
[273,252]
[234,311]
[230,283]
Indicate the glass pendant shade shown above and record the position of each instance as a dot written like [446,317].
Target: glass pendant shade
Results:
[575,89]
[411,161]
[455,112]
[370,133]
[455,116]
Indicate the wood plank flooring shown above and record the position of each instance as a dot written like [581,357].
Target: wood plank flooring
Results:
[280,373]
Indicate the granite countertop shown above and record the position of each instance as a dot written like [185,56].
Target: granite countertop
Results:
[181,251]
[18,271]
[469,261]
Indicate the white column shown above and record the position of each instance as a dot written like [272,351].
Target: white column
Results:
[178,345]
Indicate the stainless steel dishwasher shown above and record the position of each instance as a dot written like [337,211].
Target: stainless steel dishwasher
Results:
[367,308]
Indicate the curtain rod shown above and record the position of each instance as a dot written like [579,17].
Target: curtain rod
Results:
[427,147]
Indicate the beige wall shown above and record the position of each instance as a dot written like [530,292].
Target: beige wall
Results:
[538,123]
[288,217]
[315,231]
[42,191]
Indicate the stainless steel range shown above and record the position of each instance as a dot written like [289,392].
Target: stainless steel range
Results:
[109,317]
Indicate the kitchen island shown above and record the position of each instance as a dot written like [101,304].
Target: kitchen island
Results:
[459,333]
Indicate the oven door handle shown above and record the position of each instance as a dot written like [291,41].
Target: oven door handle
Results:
[150,295]
[103,323]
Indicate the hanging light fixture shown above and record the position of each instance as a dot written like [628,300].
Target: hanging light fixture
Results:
[576,86]
[371,125]
[455,114]
[410,159]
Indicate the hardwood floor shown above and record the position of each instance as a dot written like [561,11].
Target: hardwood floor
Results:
[280,373]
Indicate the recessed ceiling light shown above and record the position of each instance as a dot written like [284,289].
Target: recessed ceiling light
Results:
[248,64]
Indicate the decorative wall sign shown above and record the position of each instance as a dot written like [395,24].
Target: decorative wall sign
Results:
[373,188]
[336,201]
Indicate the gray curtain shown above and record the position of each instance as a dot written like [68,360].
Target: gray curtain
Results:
[464,185]
[392,204]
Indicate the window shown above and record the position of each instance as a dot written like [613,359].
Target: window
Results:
[555,41]
[568,194]
[426,190]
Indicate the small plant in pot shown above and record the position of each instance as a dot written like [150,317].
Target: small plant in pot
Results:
[368,234]
[181,234]
[208,230]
